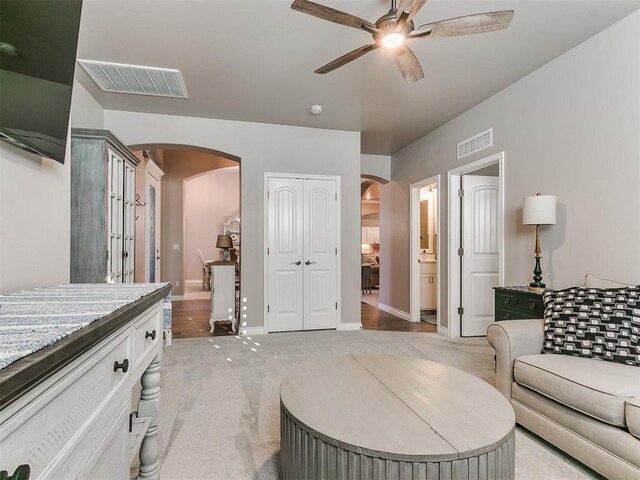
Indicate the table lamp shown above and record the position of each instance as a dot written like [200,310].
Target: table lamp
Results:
[538,210]
[224,243]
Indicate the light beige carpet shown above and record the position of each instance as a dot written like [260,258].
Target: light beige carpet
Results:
[220,404]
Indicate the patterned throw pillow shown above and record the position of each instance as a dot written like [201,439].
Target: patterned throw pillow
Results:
[599,323]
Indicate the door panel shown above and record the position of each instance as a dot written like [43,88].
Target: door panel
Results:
[285,231]
[480,218]
[320,254]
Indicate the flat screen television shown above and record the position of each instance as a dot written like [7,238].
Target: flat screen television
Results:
[38,43]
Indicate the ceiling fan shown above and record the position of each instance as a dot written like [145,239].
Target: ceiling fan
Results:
[394,29]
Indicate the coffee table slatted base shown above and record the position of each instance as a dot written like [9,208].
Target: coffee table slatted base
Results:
[305,456]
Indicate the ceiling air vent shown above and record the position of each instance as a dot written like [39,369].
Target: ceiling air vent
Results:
[475,144]
[116,77]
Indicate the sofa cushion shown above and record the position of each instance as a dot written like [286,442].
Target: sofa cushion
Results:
[594,322]
[632,415]
[595,388]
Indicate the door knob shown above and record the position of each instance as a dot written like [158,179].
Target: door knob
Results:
[124,366]
[296,263]
[309,263]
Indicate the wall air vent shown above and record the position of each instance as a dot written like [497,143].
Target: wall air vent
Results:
[119,78]
[475,144]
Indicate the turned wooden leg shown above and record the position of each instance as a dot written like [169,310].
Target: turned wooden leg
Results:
[149,406]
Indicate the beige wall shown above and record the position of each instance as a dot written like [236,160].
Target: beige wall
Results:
[570,129]
[209,199]
[35,208]
[179,165]
[262,148]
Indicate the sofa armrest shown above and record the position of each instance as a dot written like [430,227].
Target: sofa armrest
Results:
[632,415]
[510,339]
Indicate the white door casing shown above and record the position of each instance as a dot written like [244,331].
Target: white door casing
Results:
[285,252]
[320,252]
[480,262]
[302,284]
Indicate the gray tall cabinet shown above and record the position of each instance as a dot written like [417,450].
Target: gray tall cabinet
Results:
[102,208]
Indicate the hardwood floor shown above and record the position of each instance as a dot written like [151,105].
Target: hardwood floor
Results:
[375,319]
[191,319]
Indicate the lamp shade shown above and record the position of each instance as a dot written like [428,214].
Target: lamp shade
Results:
[224,241]
[539,210]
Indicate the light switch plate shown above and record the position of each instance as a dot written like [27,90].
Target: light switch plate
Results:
[176,246]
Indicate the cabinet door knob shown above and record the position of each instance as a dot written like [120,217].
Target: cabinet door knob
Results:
[507,316]
[151,335]
[296,263]
[309,263]
[507,301]
[124,366]
[532,305]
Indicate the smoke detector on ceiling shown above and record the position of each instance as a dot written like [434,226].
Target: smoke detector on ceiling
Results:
[315,109]
[135,79]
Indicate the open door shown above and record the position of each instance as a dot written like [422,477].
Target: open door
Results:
[480,255]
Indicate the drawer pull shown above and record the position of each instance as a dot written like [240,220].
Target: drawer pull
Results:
[507,316]
[532,305]
[124,366]
[507,301]
[151,335]
[23,472]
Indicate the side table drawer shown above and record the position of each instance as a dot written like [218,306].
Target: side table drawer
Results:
[506,300]
[147,333]
[54,422]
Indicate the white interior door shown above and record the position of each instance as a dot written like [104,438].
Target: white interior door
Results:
[320,254]
[129,219]
[285,254]
[480,261]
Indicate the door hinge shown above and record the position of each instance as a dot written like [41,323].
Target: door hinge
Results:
[336,250]
[268,194]
[268,251]
[336,196]
[460,252]
[461,193]
[267,308]
[460,311]
[336,305]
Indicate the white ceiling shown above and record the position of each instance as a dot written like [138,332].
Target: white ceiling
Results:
[254,60]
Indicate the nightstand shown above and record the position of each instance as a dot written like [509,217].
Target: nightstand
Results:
[514,303]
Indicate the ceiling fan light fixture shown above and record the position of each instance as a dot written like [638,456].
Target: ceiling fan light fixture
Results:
[393,40]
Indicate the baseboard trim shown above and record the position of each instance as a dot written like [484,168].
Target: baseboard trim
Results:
[254,331]
[193,282]
[394,311]
[349,326]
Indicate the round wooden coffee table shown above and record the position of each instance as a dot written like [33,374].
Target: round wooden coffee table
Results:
[381,416]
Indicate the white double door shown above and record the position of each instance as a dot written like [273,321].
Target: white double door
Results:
[302,254]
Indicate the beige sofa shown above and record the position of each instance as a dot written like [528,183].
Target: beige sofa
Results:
[588,408]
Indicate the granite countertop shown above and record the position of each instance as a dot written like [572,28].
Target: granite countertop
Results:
[42,330]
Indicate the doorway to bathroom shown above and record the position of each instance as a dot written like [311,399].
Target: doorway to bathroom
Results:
[424,251]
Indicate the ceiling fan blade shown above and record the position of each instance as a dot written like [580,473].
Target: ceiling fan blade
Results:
[346,58]
[330,14]
[479,23]
[408,64]
[411,6]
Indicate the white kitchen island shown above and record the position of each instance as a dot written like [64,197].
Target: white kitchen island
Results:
[70,356]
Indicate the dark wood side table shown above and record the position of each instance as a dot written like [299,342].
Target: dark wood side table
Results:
[514,303]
